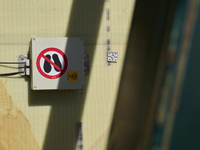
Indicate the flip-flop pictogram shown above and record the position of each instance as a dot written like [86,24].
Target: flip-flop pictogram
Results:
[57,62]
[47,66]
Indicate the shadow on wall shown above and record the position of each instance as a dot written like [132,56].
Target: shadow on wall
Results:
[67,106]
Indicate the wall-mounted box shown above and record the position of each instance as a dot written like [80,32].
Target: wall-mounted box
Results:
[57,63]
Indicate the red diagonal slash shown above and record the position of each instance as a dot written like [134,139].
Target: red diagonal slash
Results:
[52,63]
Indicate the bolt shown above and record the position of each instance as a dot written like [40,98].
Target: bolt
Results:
[22,57]
[22,69]
[85,70]
[35,87]
[33,38]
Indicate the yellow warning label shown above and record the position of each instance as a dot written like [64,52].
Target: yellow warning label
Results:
[72,76]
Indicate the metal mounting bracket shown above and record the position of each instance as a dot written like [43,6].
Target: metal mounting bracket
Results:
[86,64]
[24,67]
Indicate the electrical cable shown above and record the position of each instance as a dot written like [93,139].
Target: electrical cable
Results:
[12,62]
[10,74]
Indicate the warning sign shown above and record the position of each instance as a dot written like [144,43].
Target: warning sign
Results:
[72,76]
[52,63]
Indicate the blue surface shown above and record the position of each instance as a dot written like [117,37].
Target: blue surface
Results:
[186,133]
[170,72]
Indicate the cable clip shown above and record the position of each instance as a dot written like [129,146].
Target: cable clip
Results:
[24,65]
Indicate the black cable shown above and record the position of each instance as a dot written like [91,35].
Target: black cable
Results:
[12,62]
[10,74]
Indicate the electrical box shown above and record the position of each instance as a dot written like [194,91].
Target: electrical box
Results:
[57,63]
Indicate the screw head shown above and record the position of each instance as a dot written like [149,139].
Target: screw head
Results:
[22,57]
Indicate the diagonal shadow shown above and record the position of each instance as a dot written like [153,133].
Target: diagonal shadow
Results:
[67,105]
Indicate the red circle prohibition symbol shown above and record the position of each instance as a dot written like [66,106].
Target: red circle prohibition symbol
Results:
[61,71]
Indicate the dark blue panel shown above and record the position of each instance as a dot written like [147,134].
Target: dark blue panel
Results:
[186,133]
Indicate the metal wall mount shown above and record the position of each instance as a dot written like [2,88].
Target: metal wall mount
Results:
[86,64]
[24,66]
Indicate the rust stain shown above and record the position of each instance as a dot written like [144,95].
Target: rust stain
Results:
[15,129]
